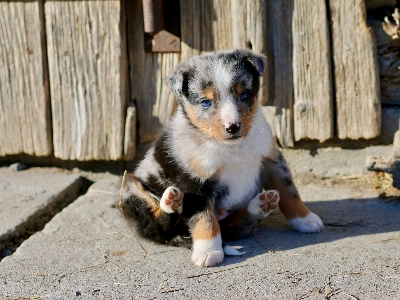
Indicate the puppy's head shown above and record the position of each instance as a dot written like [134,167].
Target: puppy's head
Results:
[218,92]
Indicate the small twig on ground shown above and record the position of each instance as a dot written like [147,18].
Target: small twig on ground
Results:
[122,212]
[217,271]
[388,240]
[100,191]
[304,295]
[331,293]
[172,290]
[351,296]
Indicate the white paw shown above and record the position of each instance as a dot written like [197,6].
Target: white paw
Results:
[310,224]
[171,200]
[264,203]
[208,253]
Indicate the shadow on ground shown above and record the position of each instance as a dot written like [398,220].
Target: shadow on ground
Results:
[342,219]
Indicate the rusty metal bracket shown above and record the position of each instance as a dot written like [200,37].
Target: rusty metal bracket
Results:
[161,20]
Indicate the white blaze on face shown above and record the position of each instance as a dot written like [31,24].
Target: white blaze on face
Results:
[223,77]
[229,112]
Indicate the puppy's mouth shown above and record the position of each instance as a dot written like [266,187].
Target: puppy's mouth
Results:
[234,140]
[235,137]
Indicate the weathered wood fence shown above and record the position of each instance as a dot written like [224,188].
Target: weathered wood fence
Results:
[77,84]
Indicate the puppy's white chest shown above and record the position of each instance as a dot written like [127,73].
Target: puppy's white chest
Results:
[240,179]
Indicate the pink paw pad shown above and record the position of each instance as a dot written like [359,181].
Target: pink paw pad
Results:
[269,200]
[171,200]
[264,203]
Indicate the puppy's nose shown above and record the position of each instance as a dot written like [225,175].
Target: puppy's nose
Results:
[233,127]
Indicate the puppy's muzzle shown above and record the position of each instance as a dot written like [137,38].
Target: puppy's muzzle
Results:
[233,128]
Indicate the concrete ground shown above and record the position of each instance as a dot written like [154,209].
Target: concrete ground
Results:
[87,251]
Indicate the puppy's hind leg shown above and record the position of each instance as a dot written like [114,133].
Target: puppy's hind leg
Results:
[144,209]
[240,224]
[278,177]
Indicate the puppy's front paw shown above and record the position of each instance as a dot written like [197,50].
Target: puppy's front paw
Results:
[310,224]
[171,200]
[208,253]
[264,203]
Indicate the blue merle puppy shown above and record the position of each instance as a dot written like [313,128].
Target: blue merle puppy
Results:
[215,171]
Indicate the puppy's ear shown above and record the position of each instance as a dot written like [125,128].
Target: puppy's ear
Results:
[178,82]
[257,61]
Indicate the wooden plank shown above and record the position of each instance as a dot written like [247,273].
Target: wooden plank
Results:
[356,71]
[243,23]
[279,121]
[222,30]
[388,48]
[205,26]
[130,134]
[88,106]
[313,91]
[200,31]
[25,125]
[154,101]
[279,75]
[249,27]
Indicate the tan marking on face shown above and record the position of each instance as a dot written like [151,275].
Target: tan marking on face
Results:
[239,88]
[207,227]
[247,119]
[211,127]
[210,94]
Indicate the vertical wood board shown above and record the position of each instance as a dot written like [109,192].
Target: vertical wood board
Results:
[356,71]
[84,52]
[154,100]
[206,26]
[313,91]
[279,119]
[279,73]
[249,30]
[25,125]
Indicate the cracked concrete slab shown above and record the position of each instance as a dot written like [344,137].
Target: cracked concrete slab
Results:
[29,199]
[87,251]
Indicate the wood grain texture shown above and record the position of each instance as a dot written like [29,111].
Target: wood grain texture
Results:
[356,71]
[388,47]
[279,119]
[249,30]
[206,26]
[84,52]
[154,101]
[25,124]
[312,81]
[130,134]
[279,73]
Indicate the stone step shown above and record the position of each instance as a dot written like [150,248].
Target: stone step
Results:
[29,199]
[87,251]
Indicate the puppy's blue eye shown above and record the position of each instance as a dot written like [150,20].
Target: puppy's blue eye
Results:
[206,103]
[244,96]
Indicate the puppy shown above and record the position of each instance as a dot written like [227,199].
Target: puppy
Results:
[215,171]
